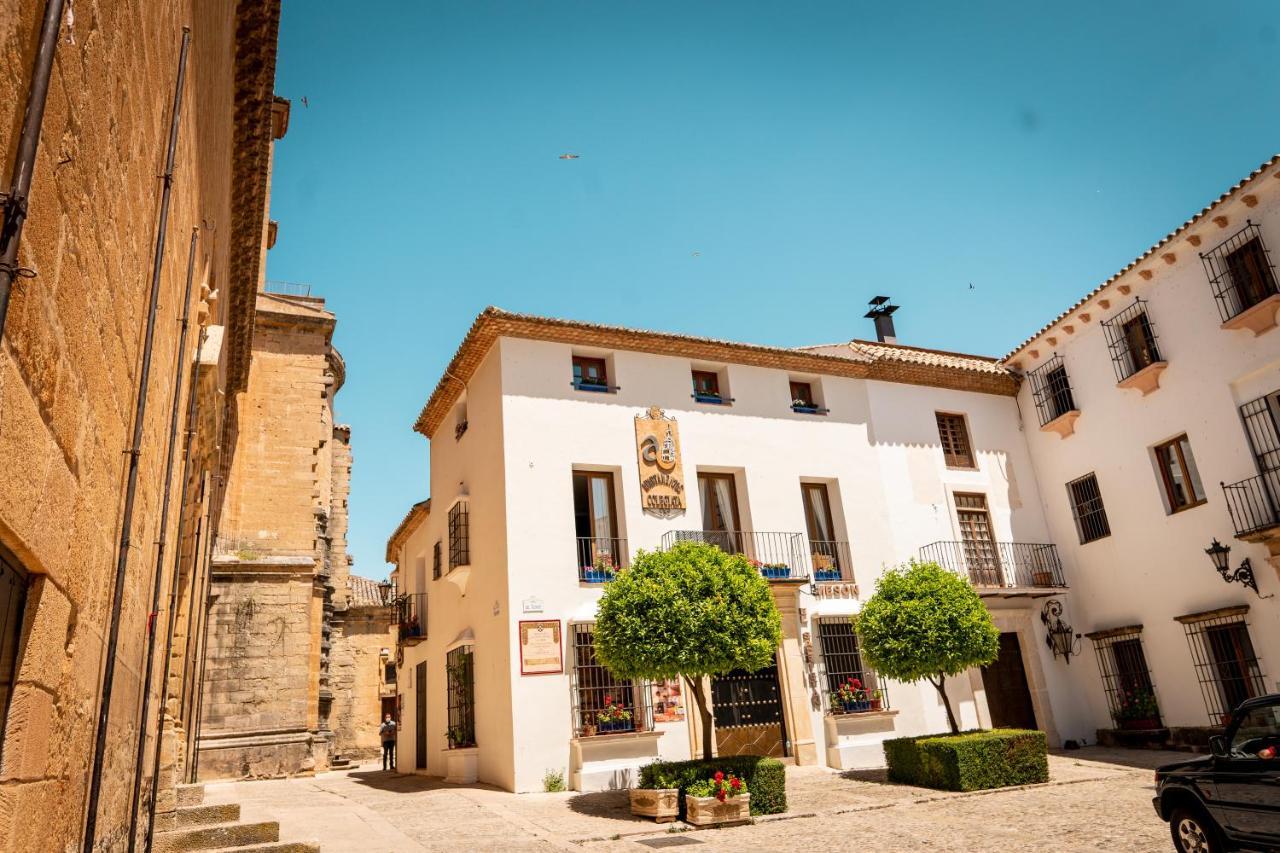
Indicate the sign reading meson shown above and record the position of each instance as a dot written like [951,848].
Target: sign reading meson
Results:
[661,475]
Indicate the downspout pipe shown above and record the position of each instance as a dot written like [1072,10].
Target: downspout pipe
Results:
[24,161]
[206,605]
[192,409]
[135,452]
[158,582]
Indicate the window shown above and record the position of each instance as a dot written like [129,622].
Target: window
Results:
[1251,274]
[1126,678]
[460,676]
[1254,502]
[13,602]
[600,550]
[980,553]
[843,659]
[1259,728]
[1240,272]
[955,441]
[389,673]
[720,512]
[436,560]
[603,704]
[829,556]
[460,424]
[1087,508]
[1178,474]
[706,387]
[590,374]
[1226,664]
[1051,390]
[804,400]
[459,536]
[1131,340]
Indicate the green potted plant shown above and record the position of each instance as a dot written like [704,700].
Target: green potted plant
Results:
[659,799]
[719,800]
[1137,709]
[877,699]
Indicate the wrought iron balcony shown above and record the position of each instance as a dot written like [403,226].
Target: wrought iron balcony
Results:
[409,613]
[830,560]
[1254,504]
[778,556]
[1001,565]
[600,557]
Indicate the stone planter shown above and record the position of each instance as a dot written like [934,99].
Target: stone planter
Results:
[661,804]
[1140,724]
[708,811]
[462,765]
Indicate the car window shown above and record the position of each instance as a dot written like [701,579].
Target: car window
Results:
[1258,734]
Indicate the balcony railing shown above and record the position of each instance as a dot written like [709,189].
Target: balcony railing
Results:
[778,556]
[830,560]
[999,564]
[1254,503]
[600,557]
[409,613]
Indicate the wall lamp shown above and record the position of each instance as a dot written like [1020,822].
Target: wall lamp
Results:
[1221,555]
[1058,635]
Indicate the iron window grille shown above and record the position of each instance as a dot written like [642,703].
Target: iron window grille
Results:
[13,601]
[1226,664]
[1132,340]
[1126,677]
[1254,502]
[842,660]
[1051,390]
[1087,509]
[1240,271]
[954,435]
[411,615]
[459,536]
[437,560]
[460,677]
[595,691]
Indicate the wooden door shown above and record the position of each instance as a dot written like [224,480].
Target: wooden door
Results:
[420,716]
[1005,680]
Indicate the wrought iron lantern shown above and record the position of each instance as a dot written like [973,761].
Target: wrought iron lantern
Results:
[1221,556]
[1058,635]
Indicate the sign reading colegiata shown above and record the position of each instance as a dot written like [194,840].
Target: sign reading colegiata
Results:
[661,474]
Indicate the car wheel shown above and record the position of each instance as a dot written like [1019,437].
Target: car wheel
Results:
[1194,832]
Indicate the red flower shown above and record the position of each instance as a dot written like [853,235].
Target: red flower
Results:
[608,700]
[720,795]
[719,777]
[735,783]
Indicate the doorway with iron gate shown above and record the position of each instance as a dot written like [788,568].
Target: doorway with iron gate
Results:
[1005,681]
[747,710]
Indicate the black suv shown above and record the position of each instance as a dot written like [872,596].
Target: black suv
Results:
[1231,799]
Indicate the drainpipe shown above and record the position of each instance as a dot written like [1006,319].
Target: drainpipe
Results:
[135,451]
[24,161]
[192,409]
[179,363]
[206,606]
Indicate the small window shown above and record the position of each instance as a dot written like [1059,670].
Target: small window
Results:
[1131,339]
[460,425]
[389,674]
[1178,474]
[459,536]
[1087,508]
[590,374]
[436,561]
[603,703]
[1051,389]
[1251,273]
[460,677]
[1226,664]
[706,387]
[843,661]
[955,441]
[1126,678]
[1240,272]
[804,399]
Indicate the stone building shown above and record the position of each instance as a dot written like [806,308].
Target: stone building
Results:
[362,670]
[70,373]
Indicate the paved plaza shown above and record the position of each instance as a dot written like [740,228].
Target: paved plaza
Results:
[1097,799]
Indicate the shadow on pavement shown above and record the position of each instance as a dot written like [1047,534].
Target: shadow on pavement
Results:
[390,780]
[610,804]
[878,775]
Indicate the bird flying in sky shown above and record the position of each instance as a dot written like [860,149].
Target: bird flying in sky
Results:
[570,156]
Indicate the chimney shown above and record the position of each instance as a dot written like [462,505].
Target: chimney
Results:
[882,312]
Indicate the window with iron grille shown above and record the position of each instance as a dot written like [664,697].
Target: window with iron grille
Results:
[1131,338]
[1240,271]
[954,436]
[842,659]
[460,677]
[459,536]
[602,704]
[1226,664]
[1051,390]
[436,560]
[1087,509]
[1126,678]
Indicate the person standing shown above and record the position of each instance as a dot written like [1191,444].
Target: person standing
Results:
[388,732]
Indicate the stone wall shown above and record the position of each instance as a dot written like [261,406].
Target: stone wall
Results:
[358,680]
[70,360]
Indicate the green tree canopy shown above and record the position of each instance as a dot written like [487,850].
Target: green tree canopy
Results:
[690,611]
[926,623]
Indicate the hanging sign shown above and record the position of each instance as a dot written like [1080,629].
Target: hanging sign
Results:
[540,647]
[661,474]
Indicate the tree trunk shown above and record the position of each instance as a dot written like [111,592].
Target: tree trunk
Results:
[941,685]
[704,713]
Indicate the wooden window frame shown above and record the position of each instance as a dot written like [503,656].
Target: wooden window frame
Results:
[1175,445]
[715,397]
[965,459]
[807,396]
[581,363]
[733,494]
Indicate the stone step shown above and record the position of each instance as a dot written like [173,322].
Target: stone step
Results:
[188,816]
[190,795]
[276,847]
[218,836]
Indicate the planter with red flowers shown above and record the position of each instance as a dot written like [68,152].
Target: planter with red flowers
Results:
[722,799]
[852,698]
[613,719]
[1137,709]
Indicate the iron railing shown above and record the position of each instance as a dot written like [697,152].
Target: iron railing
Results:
[1132,340]
[1051,390]
[600,557]
[1126,678]
[830,560]
[1254,503]
[409,612]
[999,564]
[288,288]
[1240,271]
[778,556]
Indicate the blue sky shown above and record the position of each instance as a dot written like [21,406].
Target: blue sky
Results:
[752,171]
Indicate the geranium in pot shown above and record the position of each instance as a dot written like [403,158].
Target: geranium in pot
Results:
[1137,709]
[614,717]
[721,799]
[850,697]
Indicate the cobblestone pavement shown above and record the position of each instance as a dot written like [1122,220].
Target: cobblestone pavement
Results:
[1097,800]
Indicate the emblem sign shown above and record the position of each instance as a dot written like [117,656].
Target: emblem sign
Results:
[661,474]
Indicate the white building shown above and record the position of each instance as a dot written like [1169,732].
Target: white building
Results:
[558,448]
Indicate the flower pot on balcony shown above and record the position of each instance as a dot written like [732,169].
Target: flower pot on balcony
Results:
[661,804]
[827,575]
[708,811]
[856,707]
[1140,724]
[588,731]
[875,704]
[591,575]
[613,727]
[777,572]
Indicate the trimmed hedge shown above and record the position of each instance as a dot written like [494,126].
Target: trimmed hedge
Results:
[971,761]
[766,778]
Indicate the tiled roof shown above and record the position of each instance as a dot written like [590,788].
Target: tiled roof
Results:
[407,525]
[364,592]
[877,361]
[1168,238]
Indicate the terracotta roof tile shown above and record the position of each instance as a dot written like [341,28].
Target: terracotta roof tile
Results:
[364,592]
